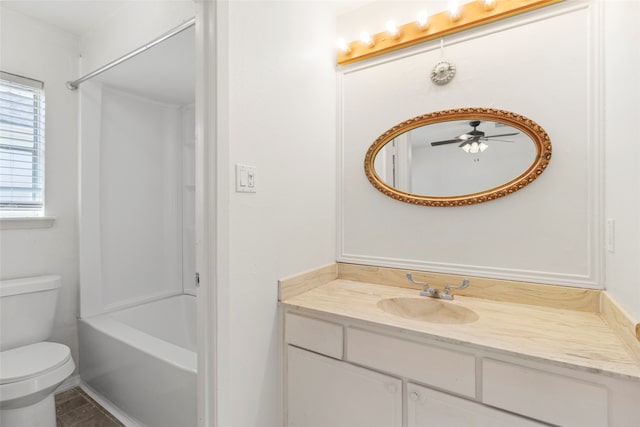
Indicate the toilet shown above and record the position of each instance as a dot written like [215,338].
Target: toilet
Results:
[30,367]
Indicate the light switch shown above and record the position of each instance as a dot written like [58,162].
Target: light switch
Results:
[245,178]
[251,178]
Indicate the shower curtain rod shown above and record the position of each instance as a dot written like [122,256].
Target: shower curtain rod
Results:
[73,85]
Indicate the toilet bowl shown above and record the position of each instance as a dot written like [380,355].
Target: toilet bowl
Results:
[30,368]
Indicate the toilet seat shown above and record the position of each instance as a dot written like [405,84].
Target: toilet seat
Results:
[29,361]
[33,369]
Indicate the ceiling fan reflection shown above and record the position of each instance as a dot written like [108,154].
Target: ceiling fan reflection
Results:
[475,140]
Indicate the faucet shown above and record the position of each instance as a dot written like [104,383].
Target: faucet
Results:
[428,291]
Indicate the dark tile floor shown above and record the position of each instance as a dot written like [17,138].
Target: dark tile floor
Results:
[74,408]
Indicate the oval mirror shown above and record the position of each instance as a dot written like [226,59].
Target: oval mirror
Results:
[458,157]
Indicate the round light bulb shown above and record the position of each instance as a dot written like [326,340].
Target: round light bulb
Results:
[423,20]
[454,10]
[366,38]
[342,45]
[488,4]
[392,29]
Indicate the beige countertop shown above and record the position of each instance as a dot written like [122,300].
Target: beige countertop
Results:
[570,338]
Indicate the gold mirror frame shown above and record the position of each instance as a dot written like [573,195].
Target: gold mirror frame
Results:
[537,134]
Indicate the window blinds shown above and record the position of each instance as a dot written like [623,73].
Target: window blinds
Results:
[22,108]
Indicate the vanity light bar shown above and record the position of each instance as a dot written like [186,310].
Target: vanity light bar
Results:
[469,15]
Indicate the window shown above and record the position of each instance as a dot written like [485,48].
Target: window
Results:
[21,146]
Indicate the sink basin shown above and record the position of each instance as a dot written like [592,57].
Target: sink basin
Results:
[428,310]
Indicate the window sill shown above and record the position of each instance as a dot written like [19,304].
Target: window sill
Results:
[26,222]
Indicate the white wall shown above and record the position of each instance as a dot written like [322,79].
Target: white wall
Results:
[532,65]
[279,115]
[33,49]
[621,36]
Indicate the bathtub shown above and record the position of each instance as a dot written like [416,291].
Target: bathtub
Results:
[143,360]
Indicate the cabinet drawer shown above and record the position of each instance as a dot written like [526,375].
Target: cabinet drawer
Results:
[547,397]
[315,335]
[440,368]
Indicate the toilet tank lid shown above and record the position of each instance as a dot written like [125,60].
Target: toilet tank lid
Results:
[29,284]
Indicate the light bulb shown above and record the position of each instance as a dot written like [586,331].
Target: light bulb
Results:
[483,146]
[474,148]
[392,29]
[488,4]
[366,38]
[454,10]
[466,147]
[342,45]
[423,20]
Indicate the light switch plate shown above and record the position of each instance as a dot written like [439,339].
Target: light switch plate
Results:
[245,178]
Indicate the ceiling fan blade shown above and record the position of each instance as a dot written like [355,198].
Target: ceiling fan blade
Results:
[502,140]
[449,141]
[503,134]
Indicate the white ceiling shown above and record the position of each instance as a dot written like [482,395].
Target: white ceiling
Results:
[74,16]
[165,72]
[79,16]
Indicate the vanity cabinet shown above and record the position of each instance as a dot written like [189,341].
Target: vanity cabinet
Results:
[344,372]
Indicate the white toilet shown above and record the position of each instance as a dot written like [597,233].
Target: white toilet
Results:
[30,367]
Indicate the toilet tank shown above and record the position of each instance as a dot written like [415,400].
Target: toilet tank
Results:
[27,310]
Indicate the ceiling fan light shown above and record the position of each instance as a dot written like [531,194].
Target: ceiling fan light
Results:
[474,147]
[483,146]
[466,147]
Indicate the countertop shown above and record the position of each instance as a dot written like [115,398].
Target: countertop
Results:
[575,339]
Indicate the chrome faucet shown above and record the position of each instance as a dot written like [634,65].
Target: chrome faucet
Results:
[428,291]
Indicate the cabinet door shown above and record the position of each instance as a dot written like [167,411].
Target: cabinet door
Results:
[324,392]
[429,408]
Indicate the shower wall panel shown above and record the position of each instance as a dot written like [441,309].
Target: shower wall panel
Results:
[140,199]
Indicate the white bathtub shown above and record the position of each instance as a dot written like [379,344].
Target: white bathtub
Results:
[143,360]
